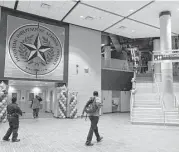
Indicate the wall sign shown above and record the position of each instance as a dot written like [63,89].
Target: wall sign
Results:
[173,57]
[34,50]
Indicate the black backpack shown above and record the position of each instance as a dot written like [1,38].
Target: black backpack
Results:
[91,106]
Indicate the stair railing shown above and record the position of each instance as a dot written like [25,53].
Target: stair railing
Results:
[176,104]
[132,102]
[160,99]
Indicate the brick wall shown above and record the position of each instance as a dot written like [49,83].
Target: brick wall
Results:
[84,53]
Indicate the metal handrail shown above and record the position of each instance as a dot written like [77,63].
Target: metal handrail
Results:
[161,101]
[163,107]
[132,102]
[176,102]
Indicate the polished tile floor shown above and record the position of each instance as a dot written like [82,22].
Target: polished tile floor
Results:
[55,135]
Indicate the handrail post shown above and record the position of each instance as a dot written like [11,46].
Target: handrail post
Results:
[160,99]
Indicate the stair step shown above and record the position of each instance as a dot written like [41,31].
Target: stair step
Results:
[174,121]
[172,117]
[147,112]
[172,112]
[147,97]
[148,120]
[147,106]
[148,116]
[146,102]
[147,109]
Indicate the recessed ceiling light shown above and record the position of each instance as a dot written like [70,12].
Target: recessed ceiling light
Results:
[89,18]
[131,10]
[82,16]
[121,27]
[44,5]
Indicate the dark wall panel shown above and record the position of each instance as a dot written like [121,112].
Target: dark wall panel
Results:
[116,80]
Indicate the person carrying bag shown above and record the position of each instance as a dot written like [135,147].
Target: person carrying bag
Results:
[92,109]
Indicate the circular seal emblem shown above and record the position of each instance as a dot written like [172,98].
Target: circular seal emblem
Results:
[35,49]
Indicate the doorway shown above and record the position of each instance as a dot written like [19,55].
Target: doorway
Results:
[25,91]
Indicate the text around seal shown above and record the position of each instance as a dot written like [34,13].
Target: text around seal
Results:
[35,49]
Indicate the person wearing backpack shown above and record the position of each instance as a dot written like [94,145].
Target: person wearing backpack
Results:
[92,109]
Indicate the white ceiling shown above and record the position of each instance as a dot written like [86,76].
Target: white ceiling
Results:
[154,10]
[6,3]
[54,9]
[123,8]
[133,29]
[101,19]
[140,18]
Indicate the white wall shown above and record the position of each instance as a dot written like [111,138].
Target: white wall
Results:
[125,101]
[84,51]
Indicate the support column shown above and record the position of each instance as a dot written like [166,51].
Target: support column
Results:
[157,66]
[107,56]
[0,13]
[166,68]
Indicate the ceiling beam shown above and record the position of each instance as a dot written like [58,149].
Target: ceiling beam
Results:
[130,15]
[16,4]
[70,11]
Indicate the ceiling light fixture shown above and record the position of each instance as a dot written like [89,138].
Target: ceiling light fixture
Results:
[44,5]
[121,27]
[81,16]
[89,18]
[131,10]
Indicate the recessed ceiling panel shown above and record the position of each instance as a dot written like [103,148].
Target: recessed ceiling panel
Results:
[132,29]
[7,3]
[150,14]
[92,18]
[123,8]
[50,9]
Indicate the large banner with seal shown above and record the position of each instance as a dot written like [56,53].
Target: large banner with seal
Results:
[34,50]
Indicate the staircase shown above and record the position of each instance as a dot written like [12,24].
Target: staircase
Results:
[147,107]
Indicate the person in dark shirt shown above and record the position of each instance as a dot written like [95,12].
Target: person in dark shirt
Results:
[13,112]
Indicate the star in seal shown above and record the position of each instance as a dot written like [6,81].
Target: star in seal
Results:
[37,49]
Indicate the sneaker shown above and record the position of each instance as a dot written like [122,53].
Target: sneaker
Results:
[4,139]
[17,140]
[98,140]
[89,144]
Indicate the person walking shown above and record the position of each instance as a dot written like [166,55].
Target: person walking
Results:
[13,112]
[94,118]
[36,107]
